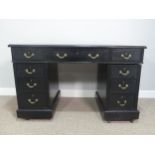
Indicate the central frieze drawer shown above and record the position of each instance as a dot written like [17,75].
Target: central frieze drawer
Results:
[60,54]
[77,54]
[94,55]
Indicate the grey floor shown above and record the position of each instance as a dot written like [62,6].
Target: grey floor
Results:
[75,116]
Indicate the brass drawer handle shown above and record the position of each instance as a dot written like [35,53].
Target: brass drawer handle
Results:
[122,104]
[28,55]
[61,56]
[30,72]
[31,85]
[123,87]
[93,57]
[126,56]
[124,73]
[33,101]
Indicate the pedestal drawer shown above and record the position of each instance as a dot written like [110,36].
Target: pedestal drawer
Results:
[124,71]
[123,85]
[32,100]
[30,70]
[32,84]
[122,101]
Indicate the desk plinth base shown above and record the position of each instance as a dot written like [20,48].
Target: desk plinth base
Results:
[39,113]
[124,115]
[33,114]
[116,115]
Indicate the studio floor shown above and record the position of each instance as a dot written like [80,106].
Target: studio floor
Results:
[75,116]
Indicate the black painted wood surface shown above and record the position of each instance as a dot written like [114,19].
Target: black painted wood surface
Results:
[36,77]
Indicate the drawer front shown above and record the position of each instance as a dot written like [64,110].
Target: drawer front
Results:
[32,101]
[27,54]
[122,101]
[30,70]
[93,54]
[61,54]
[77,54]
[124,71]
[127,55]
[123,85]
[32,84]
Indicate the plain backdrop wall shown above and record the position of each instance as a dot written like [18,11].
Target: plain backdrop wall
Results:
[77,79]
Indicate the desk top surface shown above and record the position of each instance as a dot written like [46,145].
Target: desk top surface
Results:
[76,46]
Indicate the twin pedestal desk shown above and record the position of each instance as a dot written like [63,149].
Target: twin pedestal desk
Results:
[118,77]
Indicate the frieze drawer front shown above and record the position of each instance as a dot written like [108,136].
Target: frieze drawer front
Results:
[76,55]
[37,78]
[94,55]
[127,55]
[27,54]
[61,54]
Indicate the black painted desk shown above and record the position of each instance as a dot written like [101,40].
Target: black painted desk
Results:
[36,78]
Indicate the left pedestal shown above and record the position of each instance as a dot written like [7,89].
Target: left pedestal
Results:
[37,89]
